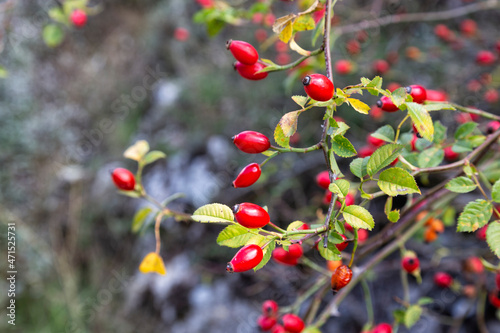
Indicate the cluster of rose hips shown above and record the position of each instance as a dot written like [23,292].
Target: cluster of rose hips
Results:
[268,321]
[247,60]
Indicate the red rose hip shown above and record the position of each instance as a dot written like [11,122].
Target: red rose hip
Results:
[78,18]
[249,175]
[243,51]
[251,142]
[410,263]
[443,280]
[318,87]
[343,245]
[418,93]
[266,323]
[341,278]
[249,72]
[245,259]
[293,323]
[251,215]
[382,328]
[123,179]
[323,179]
[386,104]
[270,308]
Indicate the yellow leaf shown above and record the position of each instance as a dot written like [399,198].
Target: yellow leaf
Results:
[137,151]
[302,23]
[152,263]
[286,33]
[358,105]
[294,46]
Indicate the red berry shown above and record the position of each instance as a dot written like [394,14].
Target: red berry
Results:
[303,227]
[245,259]
[181,34]
[249,72]
[347,226]
[243,52]
[349,200]
[481,233]
[474,86]
[362,235]
[376,112]
[413,142]
[353,47]
[249,175]
[450,155]
[327,197]
[491,96]
[418,93]
[251,142]
[375,141]
[485,58]
[386,104]
[269,19]
[343,245]
[365,151]
[343,67]
[474,265]
[290,257]
[443,280]
[260,35]
[497,280]
[442,32]
[295,251]
[293,323]
[382,328]
[78,18]
[410,263]
[270,308]
[281,47]
[436,96]
[341,278]
[205,3]
[266,323]
[393,86]
[380,66]
[123,179]
[468,27]
[251,215]
[323,179]
[283,59]
[318,87]
[278,329]
[494,299]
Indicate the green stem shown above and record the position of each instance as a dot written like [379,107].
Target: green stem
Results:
[298,302]
[297,150]
[404,279]
[398,130]
[354,247]
[481,113]
[318,230]
[368,301]
[296,62]
[269,157]
[276,227]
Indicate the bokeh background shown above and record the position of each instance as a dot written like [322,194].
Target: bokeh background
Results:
[68,113]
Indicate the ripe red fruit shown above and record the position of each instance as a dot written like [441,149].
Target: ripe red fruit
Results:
[353,47]
[323,179]
[494,299]
[413,142]
[343,67]
[266,323]
[393,86]
[245,259]
[283,59]
[410,263]
[442,32]
[362,235]
[249,175]
[376,112]
[123,179]
[386,104]
[450,155]
[290,257]
[443,280]
[242,51]
[293,323]
[474,265]
[468,27]
[481,233]
[249,72]
[349,200]
[485,58]
[497,280]
[269,19]
[181,34]
[278,329]
[251,215]
[418,93]
[318,87]
[382,328]
[343,245]
[365,151]
[436,96]
[380,66]
[491,96]
[281,47]
[205,3]
[270,308]
[78,18]
[376,142]
[251,142]
[341,278]
[260,35]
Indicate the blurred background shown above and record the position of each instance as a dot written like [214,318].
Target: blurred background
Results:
[67,113]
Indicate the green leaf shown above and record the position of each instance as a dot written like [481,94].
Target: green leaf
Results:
[358,217]
[234,235]
[396,181]
[393,216]
[294,225]
[153,156]
[52,35]
[340,187]
[280,138]
[300,100]
[303,23]
[448,217]
[3,72]
[288,122]
[398,96]
[422,120]
[330,252]
[476,214]
[439,106]
[358,166]
[343,147]
[140,218]
[462,146]
[422,144]
[58,15]
[382,157]
[476,140]
[268,251]
[385,133]
[412,315]
[213,213]
[439,132]
[425,301]
[399,315]
[495,191]
[461,185]
[430,157]
[358,105]
[464,130]
[493,237]
[311,330]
